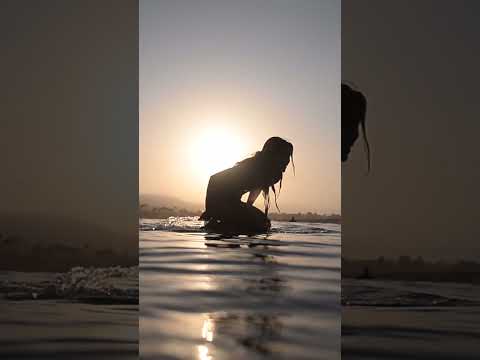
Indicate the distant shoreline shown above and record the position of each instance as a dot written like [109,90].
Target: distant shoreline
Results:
[164,212]
[412,269]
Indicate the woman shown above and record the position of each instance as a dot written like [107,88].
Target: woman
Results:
[224,210]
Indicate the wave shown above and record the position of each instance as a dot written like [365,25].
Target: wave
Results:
[174,224]
[379,293]
[110,285]
[191,224]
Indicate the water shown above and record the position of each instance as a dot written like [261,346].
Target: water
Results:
[83,313]
[263,297]
[410,320]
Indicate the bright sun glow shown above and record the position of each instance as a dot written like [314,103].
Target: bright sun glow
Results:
[203,353]
[216,149]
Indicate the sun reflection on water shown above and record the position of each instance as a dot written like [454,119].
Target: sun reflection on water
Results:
[203,353]
[207,329]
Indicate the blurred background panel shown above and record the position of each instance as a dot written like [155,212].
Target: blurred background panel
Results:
[69,135]
[410,249]
[69,179]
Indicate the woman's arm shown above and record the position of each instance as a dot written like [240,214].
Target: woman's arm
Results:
[253,195]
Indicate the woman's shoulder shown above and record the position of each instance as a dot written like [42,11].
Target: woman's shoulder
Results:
[242,173]
[236,170]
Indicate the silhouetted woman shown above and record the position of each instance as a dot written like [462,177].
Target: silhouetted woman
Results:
[224,210]
[354,108]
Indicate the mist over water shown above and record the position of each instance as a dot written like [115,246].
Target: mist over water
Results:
[35,241]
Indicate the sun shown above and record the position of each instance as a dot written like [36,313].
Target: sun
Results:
[215,149]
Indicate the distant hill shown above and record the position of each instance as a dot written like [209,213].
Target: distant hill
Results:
[162,207]
[43,242]
[156,200]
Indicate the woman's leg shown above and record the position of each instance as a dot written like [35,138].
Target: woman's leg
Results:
[253,218]
[239,218]
[225,213]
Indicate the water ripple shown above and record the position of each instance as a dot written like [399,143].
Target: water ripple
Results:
[274,296]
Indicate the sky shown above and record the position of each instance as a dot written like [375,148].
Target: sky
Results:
[218,78]
[417,63]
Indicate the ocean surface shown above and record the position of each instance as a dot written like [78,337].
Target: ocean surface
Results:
[85,313]
[207,297]
[410,320]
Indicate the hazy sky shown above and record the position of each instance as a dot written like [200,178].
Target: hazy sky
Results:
[69,134]
[417,63]
[241,71]
[69,138]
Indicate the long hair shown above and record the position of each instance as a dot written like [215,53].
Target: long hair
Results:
[269,165]
[365,140]
[354,110]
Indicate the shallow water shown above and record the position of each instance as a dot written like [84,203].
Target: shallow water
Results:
[86,313]
[410,320]
[263,297]
[382,293]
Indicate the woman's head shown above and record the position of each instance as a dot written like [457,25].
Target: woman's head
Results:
[275,157]
[278,152]
[268,165]
[354,107]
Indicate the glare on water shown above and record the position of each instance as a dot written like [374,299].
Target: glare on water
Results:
[262,297]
